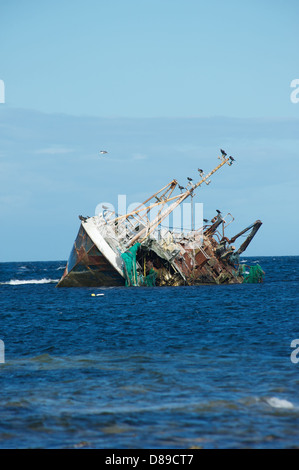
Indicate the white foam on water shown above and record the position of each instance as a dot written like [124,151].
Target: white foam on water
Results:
[279,403]
[18,282]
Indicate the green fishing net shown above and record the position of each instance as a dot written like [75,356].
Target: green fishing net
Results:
[132,278]
[255,275]
[129,265]
[150,279]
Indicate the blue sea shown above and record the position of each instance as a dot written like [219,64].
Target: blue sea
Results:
[205,367]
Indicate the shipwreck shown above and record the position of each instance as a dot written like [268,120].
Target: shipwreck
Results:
[132,250]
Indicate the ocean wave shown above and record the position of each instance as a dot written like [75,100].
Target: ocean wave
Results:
[279,403]
[18,282]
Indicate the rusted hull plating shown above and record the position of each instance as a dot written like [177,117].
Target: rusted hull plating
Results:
[217,262]
[199,269]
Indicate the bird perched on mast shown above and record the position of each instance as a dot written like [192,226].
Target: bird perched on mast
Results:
[223,152]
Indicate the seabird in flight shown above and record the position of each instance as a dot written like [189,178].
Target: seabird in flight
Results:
[103,152]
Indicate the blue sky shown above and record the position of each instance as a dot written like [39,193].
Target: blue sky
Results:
[162,85]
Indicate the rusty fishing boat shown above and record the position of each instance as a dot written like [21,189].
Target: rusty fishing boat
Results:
[132,249]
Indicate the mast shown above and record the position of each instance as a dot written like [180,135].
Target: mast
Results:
[176,201]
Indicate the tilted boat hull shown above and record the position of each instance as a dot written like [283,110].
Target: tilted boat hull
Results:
[87,266]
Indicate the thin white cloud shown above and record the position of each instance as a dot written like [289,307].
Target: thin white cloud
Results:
[139,156]
[54,150]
